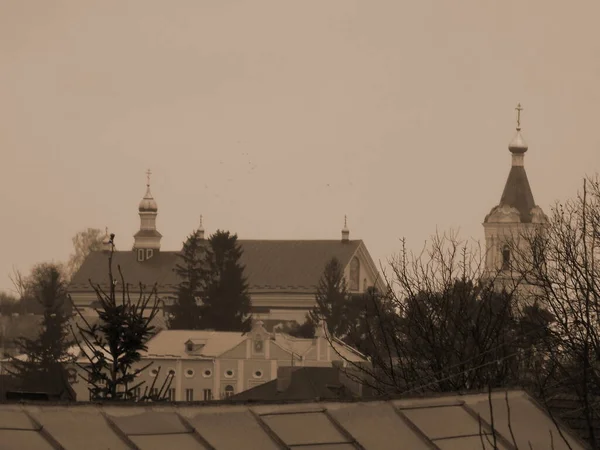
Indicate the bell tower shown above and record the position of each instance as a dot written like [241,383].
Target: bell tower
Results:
[147,239]
[514,215]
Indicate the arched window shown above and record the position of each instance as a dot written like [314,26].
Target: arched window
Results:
[228,391]
[505,258]
[354,274]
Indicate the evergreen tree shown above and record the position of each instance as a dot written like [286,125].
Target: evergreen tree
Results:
[113,345]
[185,313]
[226,304]
[332,299]
[40,363]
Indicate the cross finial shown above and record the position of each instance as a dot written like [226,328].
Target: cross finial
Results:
[345,221]
[519,108]
[148,173]
[106,229]
[200,221]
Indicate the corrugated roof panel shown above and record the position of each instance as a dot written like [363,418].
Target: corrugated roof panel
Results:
[470,443]
[15,420]
[168,441]
[443,421]
[361,422]
[22,440]
[529,423]
[216,427]
[149,423]
[79,428]
[292,428]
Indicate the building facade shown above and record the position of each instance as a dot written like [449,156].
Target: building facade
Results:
[211,365]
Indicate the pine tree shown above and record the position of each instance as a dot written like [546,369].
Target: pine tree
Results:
[185,312]
[114,344]
[332,299]
[40,365]
[226,304]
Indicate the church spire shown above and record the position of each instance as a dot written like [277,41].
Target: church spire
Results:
[147,239]
[201,228]
[345,230]
[518,146]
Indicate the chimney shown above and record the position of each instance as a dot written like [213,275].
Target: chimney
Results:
[284,377]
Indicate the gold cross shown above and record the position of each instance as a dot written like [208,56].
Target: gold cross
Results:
[519,109]
[148,173]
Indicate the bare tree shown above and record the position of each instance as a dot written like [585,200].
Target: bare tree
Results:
[84,242]
[560,266]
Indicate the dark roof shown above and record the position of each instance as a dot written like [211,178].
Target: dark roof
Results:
[449,422]
[569,409]
[147,233]
[517,193]
[279,265]
[307,383]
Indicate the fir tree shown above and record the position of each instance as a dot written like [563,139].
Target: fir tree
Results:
[40,365]
[332,299]
[226,304]
[114,344]
[185,312]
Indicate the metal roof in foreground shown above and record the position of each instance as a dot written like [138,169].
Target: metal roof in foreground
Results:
[444,422]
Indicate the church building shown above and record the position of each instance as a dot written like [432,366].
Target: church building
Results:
[282,274]
[513,218]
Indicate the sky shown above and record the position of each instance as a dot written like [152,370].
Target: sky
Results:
[274,119]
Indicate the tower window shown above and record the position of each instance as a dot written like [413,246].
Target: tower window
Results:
[354,274]
[149,253]
[505,258]
[140,254]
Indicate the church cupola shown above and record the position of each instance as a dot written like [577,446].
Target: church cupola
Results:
[106,242]
[147,239]
[345,231]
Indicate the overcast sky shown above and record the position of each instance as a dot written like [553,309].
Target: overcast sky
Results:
[276,118]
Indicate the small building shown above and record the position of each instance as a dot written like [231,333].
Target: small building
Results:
[208,365]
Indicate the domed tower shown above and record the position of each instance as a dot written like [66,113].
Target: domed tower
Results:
[516,212]
[147,239]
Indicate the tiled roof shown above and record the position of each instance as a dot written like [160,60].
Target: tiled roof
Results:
[281,265]
[443,423]
[172,343]
[307,383]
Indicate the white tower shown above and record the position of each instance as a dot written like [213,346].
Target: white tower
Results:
[513,216]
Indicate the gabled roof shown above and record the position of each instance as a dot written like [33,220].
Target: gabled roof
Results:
[270,265]
[449,422]
[307,383]
[171,343]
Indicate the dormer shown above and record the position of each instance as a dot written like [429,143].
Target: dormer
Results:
[194,345]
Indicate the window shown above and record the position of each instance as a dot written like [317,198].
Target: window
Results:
[140,254]
[354,274]
[229,391]
[258,345]
[258,374]
[149,253]
[137,393]
[505,258]
[154,372]
[189,395]
[365,285]
[207,394]
[171,372]
[190,347]
[72,376]
[207,373]
[229,373]
[154,392]
[171,395]
[189,373]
